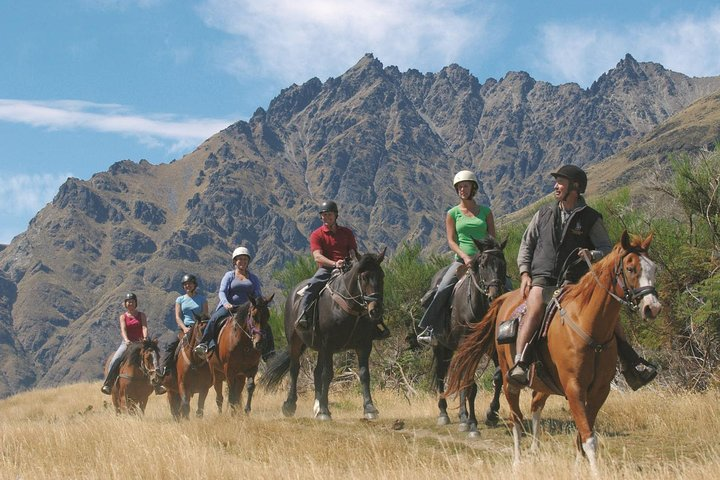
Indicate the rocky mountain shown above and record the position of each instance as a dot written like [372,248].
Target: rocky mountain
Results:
[383,143]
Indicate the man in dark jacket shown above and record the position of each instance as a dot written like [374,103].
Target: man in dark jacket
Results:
[556,232]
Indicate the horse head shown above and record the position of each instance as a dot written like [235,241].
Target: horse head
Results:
[149,360]
[257,316]
[488,267]
[370,281]
[637,274]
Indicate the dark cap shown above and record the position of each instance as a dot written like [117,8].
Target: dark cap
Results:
[574,174]
[328,206]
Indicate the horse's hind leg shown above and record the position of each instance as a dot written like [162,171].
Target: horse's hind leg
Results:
[471,393]
[492,417]
[202,394]
[369,410]
[250,390]
[235,388]
[218,395]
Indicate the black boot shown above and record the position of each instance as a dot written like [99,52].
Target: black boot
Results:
[637,371]
[381,331]
[112,375]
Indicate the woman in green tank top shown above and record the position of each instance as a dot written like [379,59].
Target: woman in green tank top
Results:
[464,222]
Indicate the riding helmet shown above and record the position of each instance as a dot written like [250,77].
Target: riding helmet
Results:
[328,206]
[188,278]
[241,251]
[574,174]
[465,176]
[130,296]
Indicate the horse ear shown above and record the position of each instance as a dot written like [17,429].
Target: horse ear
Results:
[479,245]
[646,243]
[625,241]
[269,299]
[382,255]
[252,299]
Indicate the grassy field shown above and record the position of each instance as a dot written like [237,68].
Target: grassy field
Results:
[72,432]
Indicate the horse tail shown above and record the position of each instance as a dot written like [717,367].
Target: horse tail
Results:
[480,341]
[275,371]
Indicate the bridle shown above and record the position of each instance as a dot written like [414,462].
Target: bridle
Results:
[479,283]
[348,301]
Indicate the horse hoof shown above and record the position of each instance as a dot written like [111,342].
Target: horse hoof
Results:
[443,420]
[371,415]
[463,427]
[323,417]
[474,434]
[288,409]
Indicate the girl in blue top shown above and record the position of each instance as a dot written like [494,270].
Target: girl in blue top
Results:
[190,304]
[235,287]
[464,222]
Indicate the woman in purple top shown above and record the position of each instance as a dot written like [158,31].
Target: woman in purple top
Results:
[235,287]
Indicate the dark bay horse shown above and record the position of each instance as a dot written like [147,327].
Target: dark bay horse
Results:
[237,356]
[138,375]
[191,374]
[579,352]
[481,281]
[347,311]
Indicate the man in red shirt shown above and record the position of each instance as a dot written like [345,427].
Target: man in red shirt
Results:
[330,245]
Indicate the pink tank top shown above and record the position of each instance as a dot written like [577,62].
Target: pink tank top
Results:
[133,327]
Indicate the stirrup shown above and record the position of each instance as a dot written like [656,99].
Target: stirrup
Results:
[426,336]
[302,322]
[201,350]
[519,374]
[106,389]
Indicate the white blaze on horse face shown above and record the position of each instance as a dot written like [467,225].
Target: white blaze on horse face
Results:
[650,306]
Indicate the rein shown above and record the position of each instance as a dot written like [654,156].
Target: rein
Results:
[362,300]
[481,286]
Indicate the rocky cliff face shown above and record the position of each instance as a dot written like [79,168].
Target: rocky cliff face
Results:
[383,143]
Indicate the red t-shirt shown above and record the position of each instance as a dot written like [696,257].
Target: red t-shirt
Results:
[333,245]
[133,327]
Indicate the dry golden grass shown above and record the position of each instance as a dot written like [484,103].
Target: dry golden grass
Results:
[70,433]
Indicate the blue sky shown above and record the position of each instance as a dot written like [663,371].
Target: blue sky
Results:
[86,83]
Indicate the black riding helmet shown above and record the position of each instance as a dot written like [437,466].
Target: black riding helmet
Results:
[574,174]
[188,278]
[130,296]
[329,206]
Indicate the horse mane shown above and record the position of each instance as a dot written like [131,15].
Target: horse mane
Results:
[584,288]
[132,354]
[367,261]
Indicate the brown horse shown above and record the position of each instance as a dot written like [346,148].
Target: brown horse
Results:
[137,377]
[191,374]
[237,356]
[579,353]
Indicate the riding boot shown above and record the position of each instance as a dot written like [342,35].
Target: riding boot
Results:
[303,320]
[268,344]
[112,375]
[381,331]
[519,373]
[637,371]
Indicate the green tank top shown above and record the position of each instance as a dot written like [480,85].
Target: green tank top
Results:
[469,228]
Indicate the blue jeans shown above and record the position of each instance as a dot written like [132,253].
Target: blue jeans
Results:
[438,305]
[315,285]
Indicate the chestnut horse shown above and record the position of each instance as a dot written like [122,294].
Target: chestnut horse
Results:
[237,355]
[191,374]
[138,375]
[346,316]
[579,352]
[481,281]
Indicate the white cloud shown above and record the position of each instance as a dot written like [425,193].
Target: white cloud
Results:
[21,195]
[581,52]
[296,40]
[171,131]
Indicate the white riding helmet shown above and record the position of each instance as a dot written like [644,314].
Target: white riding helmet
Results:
[241,251]
[465,176]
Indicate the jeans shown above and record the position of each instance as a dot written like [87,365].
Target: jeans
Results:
[439,304]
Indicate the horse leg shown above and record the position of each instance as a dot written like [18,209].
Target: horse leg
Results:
[174,402]
[184,400]
[369,410]
[202,394]
[462,412]
[235,387]
[512,395]
[441,366]
[471,392]
[492,417]
[586,441]
[295,350]
[323,375]
[536,407]
[218,384]
[250,390]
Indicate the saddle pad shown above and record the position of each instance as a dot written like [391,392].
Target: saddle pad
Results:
[550,312]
